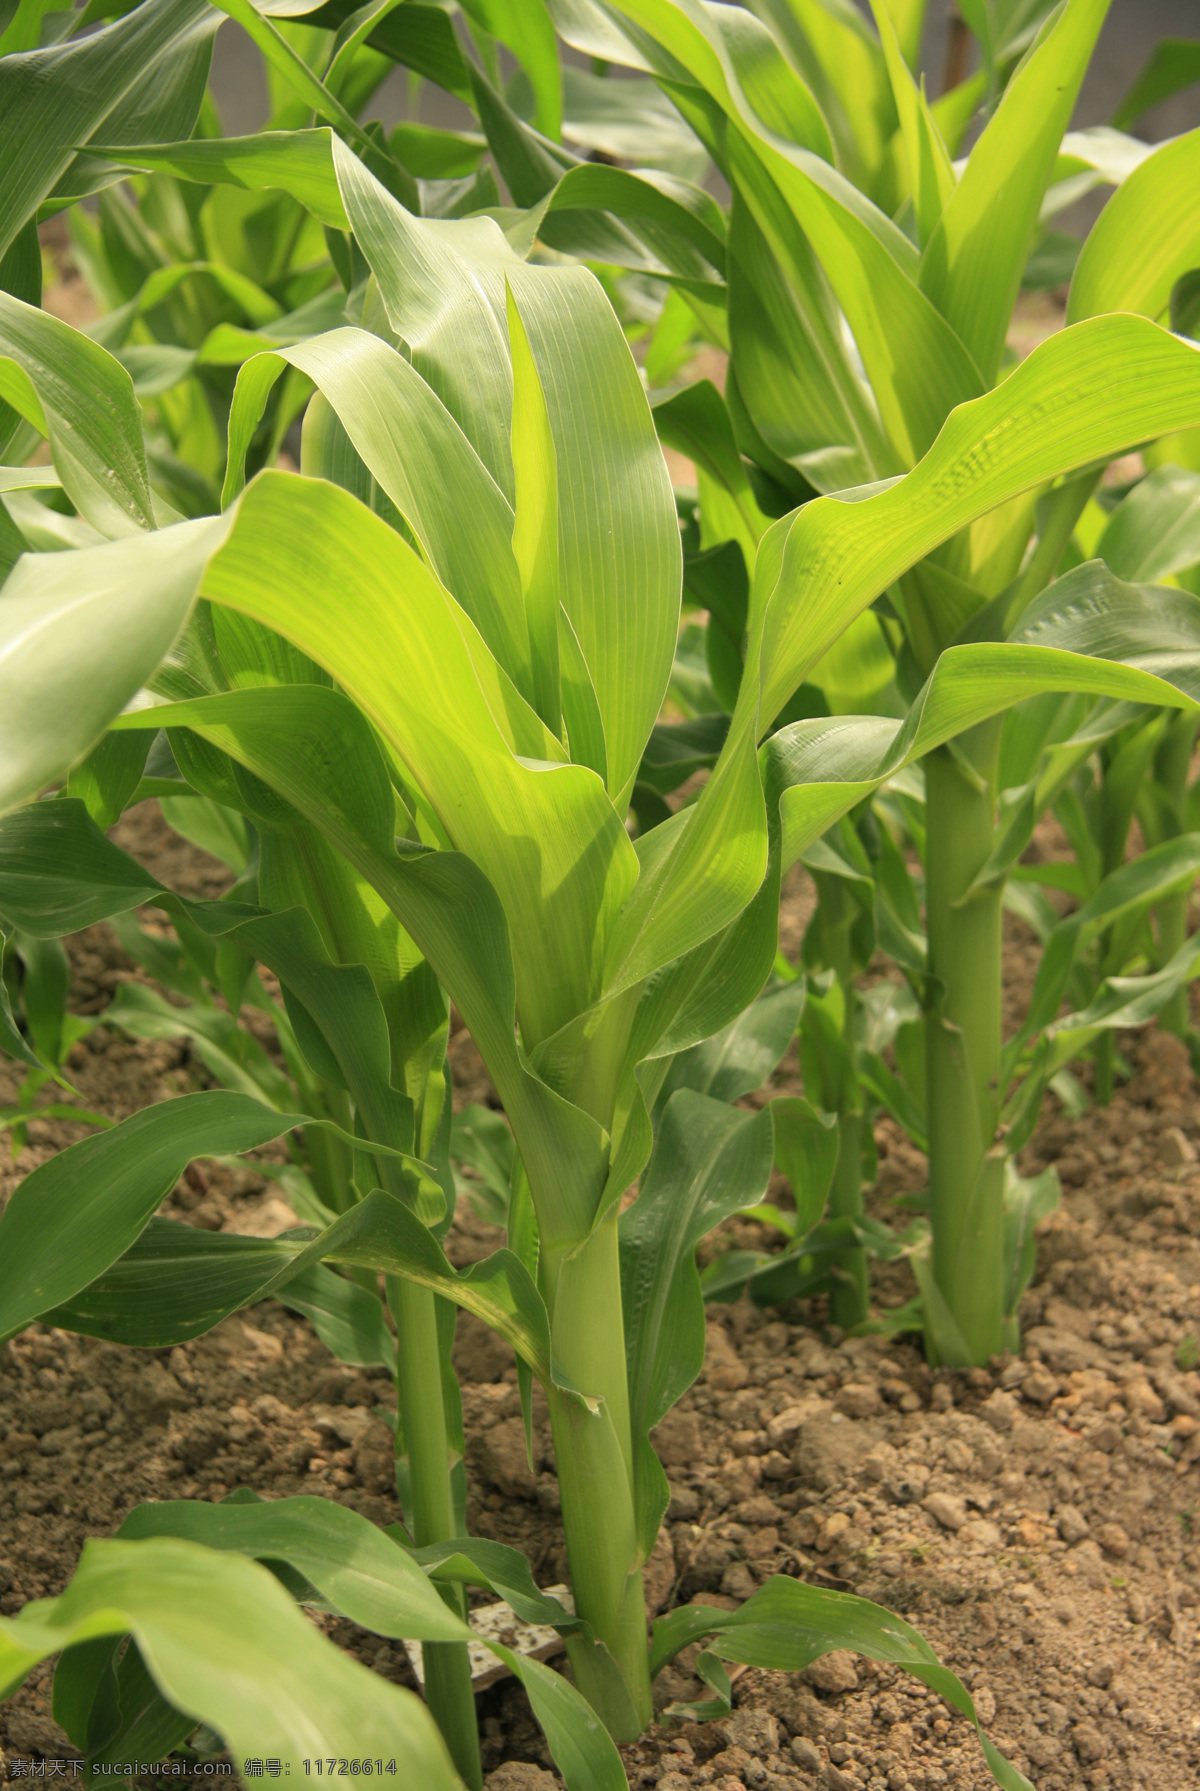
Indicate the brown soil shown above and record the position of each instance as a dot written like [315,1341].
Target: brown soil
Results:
[1036,1521]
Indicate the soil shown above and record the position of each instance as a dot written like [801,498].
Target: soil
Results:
[1038,1521]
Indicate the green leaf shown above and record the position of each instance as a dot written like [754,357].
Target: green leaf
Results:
[839,57]
[422,38]
[1081,397]
[643,220]
[806,1149]
[420,457]
[380,1233]
[298,740]
[632,121]
[1155,531]
[1144,239]
[433,154]
[176,1282]
[338,1004]
[582,1748]
[696,423]
[524,26]
[1132,889]
[477,1561]
[295,162]
[620,564]
[444,305]
[12,1041]
[220,831]
[280,55]
[81,398]
[343,1556]
[917,365]
[972,265]
[739,1059]
[376,1582]
[105,780]
[55,99]
[29,478]
[787,1624]
[790,368]
[1089,633]
[709,1159]
[1120,1002]
[225,1644]
[80,633]
[677,749]
[76,1213]
[146,1725]
[931,174]
[173,1283]
[348,1320]
[1027,1200]
[45,986]
[561,875]
[481,1141]
[85,1689]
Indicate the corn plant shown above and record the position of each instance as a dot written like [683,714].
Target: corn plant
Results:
[927,297]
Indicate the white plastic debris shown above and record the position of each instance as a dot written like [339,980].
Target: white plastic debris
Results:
[501,1622]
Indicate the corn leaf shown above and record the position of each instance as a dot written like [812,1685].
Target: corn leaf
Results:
[445,287]
[225,1644]
[787,1624]
[1172,65]
[99,1194]
[709,1160]
[917,365]
[811,406]
[80,633]
[298,740]
[1144,239]
[81,399]
[55,99]
[739,1059]
[1090,633]
[295,162]
[1155,531]
[972,265]
[1083,396]
[931,174]
[377,1583]
[416,452]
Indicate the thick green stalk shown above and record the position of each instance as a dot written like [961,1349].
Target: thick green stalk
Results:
[448,1690]
[594,1456]
[966,1170]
